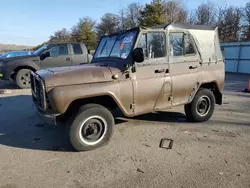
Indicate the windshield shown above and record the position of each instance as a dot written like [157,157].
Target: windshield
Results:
[4,55]
[40,50]
[116,46]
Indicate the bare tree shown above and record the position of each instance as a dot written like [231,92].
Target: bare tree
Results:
[246,23]
[206,14]
[175,12]
[109,24]
[75,33]
[122,19]
[229,19]
[129,16]
[61,35]
[191,17]
[133,14]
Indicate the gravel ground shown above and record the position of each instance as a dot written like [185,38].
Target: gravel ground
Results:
[211,154]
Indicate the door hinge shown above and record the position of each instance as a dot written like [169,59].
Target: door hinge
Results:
[126,73]
[170,98]
[132,107]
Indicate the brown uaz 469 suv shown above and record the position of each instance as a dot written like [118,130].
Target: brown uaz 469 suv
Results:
[139,71]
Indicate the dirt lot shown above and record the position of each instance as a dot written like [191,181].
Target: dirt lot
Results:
[211,154]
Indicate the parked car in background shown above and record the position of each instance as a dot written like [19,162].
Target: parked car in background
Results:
[48,56]
[15,54]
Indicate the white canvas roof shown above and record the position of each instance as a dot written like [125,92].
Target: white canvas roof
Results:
[206,38]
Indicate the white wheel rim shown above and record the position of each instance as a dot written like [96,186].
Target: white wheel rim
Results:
[91,143]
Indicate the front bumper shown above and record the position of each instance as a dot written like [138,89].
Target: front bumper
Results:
[47,118]
[1,73]
[4,73]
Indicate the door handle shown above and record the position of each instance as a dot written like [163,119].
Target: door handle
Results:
[159,70]
[68,59]
[193,67]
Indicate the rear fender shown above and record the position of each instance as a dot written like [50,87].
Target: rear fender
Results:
[213,86]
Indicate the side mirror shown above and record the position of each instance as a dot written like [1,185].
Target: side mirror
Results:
[47,54]
[138,55]
[43,56]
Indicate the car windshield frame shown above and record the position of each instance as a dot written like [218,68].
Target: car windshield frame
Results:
[117,45]
[40,50]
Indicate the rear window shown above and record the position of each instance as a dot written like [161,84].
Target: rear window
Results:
[77,49]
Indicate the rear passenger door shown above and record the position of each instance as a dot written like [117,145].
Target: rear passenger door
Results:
[184,66]
[59,56]
[79,54]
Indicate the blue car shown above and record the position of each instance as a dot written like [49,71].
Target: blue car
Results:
[15,53]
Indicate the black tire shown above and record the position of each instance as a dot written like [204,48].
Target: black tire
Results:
[197,111]
[22,78]
[99,117]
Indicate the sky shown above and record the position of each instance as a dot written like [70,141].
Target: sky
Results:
[31,22]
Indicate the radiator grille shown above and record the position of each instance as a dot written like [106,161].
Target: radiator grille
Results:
[38,91]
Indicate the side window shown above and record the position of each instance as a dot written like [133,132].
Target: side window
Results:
[176,41]
[54,51]
[181,44]
[153,44]
[189,48]
[77,49]
[143,44]
[61,49]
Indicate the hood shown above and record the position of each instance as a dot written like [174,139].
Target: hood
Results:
[28,57]
[79,74]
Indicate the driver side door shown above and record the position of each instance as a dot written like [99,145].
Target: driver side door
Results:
[59,57]
[152,81]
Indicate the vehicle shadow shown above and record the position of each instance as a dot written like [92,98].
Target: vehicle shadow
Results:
[8,85]
[164,116]
[21,127]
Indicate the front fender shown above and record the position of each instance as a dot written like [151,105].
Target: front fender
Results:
[9,68]
[31,65]
[61,97]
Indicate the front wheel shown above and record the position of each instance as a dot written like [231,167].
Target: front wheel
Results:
[22,78]
[92,127]
[202,107]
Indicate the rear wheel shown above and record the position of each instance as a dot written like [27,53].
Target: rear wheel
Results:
[202,107]
[22,78]
[91,128]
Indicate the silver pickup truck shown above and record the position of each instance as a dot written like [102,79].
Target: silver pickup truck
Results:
[48,56]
